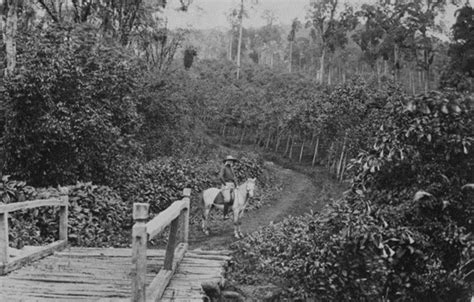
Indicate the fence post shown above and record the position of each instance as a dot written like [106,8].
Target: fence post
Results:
[4,238]
[185,218]
[139,241]
[63,219]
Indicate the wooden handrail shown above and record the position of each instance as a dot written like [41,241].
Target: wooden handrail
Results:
[155,226]
[177,216]
[17,206]
[6,264]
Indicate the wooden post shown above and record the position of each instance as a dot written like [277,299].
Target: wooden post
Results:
[63,219]
[315,152]
[171,246]
[185,218]
[3,238]
[139,241]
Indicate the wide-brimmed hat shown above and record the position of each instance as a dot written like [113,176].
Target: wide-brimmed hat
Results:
[230,158]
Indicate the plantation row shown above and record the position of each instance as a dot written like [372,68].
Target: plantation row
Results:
[292,115]
[403,232]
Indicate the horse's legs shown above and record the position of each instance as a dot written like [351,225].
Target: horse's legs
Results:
[241,212]
[236,223]
[205,217]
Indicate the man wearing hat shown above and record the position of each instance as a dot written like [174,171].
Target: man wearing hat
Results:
[229,182]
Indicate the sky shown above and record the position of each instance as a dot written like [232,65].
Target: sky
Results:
[206,14]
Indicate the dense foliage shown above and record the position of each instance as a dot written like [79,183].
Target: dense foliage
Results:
[97,216]
[69,112]
[403,231]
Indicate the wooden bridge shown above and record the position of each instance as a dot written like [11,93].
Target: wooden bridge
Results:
[57,272]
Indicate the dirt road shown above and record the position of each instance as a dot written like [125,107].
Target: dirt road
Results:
[296,194]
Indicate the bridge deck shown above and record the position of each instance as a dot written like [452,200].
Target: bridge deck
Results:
[92,274]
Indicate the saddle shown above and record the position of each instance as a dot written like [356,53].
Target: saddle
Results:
[220,198]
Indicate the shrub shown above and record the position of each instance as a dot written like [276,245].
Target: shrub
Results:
[69,110]
[159,182]
[97,217]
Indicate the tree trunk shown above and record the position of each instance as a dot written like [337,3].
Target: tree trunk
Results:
[329,76]
[329,156]
[301,151]
[223,130]
[242,135]
[377,67]
[343,169]
[291,147]
[287,144]
[291,56]
[339,166]
[321,67]
[277,143]
[11,26]
[396,64]
[315,154]
[427,79]
[269,136]
[241,15]
[229,52]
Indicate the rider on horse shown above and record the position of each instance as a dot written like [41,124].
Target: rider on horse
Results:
[229,182]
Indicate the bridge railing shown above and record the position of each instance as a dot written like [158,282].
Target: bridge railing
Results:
[177,217]
[8,263]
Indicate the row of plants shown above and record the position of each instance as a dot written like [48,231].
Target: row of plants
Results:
[403,232]
[291,114]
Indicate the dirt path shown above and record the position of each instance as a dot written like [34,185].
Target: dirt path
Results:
[296,194]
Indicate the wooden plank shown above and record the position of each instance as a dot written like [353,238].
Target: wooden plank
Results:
[163,219]
[210,252]
[170,247]
[17,262]
[32,204]
[105,252]
[3,240]
[159,284]
[140,239]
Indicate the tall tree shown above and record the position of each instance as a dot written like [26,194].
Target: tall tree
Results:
[421,21]
[329,28]
[462,50]
[11,26]
[295,26]
[239,46]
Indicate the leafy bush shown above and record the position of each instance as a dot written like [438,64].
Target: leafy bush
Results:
[69,110]
[159,182]
[97,217]
[404,230]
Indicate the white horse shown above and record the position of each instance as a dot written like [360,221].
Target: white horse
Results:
[241,193]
